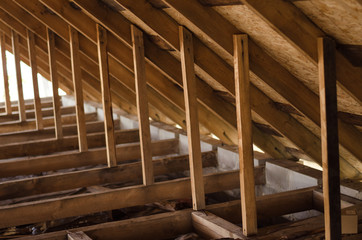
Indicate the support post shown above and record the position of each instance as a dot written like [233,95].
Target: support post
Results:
[245,136]
[55,85]
[34,75]
[192,122]
[329,137]
[142,105]
[16,52]
[8,109]
[78,89]
[106,95]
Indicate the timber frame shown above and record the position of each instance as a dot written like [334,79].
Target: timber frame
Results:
[167,101]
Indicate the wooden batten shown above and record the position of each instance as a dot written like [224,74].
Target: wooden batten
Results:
[245,143]
[192,122]
[55,84]
[34,75]
[106,95]
[8,108]
[78,89]
[142,104]
[329,136]
[16,52]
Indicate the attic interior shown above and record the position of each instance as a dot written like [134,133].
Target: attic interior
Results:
[182,119]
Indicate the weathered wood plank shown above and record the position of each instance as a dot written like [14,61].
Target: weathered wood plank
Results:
[78,236]
[329,137]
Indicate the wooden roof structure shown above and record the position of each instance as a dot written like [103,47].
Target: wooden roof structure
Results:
[268,73]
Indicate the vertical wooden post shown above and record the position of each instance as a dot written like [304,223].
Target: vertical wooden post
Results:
[192,122]
[16,52]
[55,84]
[245,136]
[142,105]
[78,90]
[106,95]
[329,137]
[8,109]
[34,74]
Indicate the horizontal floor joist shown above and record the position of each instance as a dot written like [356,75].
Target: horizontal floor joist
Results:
[125,152]
[46,103]
[49,132]
[17,126]
[120,174]
[171,224]
[48,146]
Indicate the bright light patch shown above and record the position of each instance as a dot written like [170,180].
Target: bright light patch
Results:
[255,148]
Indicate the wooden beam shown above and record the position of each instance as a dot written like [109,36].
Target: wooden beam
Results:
[55,84]
[28,106]
[125,152]
[130,172]
[78,236]
[21,104]
[243,114]
[34,74]
[78,89]
[192,121]
[329,136]
[106,96]
[142,104]
[8,109]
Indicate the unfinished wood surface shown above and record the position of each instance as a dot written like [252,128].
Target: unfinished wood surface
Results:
[142,104]
[329,137]
[78,236]
[192,121]
[34,75]
[125,152]
[8,109]
[213,227]
[55,85]
[16,52]
[125,173]
[245,143]
[78,88]
[106,96]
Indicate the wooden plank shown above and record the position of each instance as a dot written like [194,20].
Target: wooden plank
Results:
[213,227]
[55,84]
[8,108]
[106,96]
[78,236]
[78,89]
[34,74]
[142,104]
[125,152]
[125,173]
[329,137]
[68,143]
[192,121]
[21,104]
[245,146]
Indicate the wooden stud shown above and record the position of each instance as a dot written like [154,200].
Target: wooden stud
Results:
[8,109]
[142,104]
[106,95]
[54,79]
[78,89]
[16,52]
[192,122]
[329,136]
[245,136]
[78,236]
[34,74]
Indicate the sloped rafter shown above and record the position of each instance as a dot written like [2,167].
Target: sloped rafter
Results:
[218,125]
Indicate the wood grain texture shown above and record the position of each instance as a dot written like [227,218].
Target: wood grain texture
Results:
[78,88]
[329,137]
[245,143]
[142,104]
[8,109]
[192,122]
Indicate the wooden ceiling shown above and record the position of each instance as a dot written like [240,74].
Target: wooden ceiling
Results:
[283,62]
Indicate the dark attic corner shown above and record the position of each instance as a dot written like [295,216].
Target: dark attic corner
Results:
[181,119]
